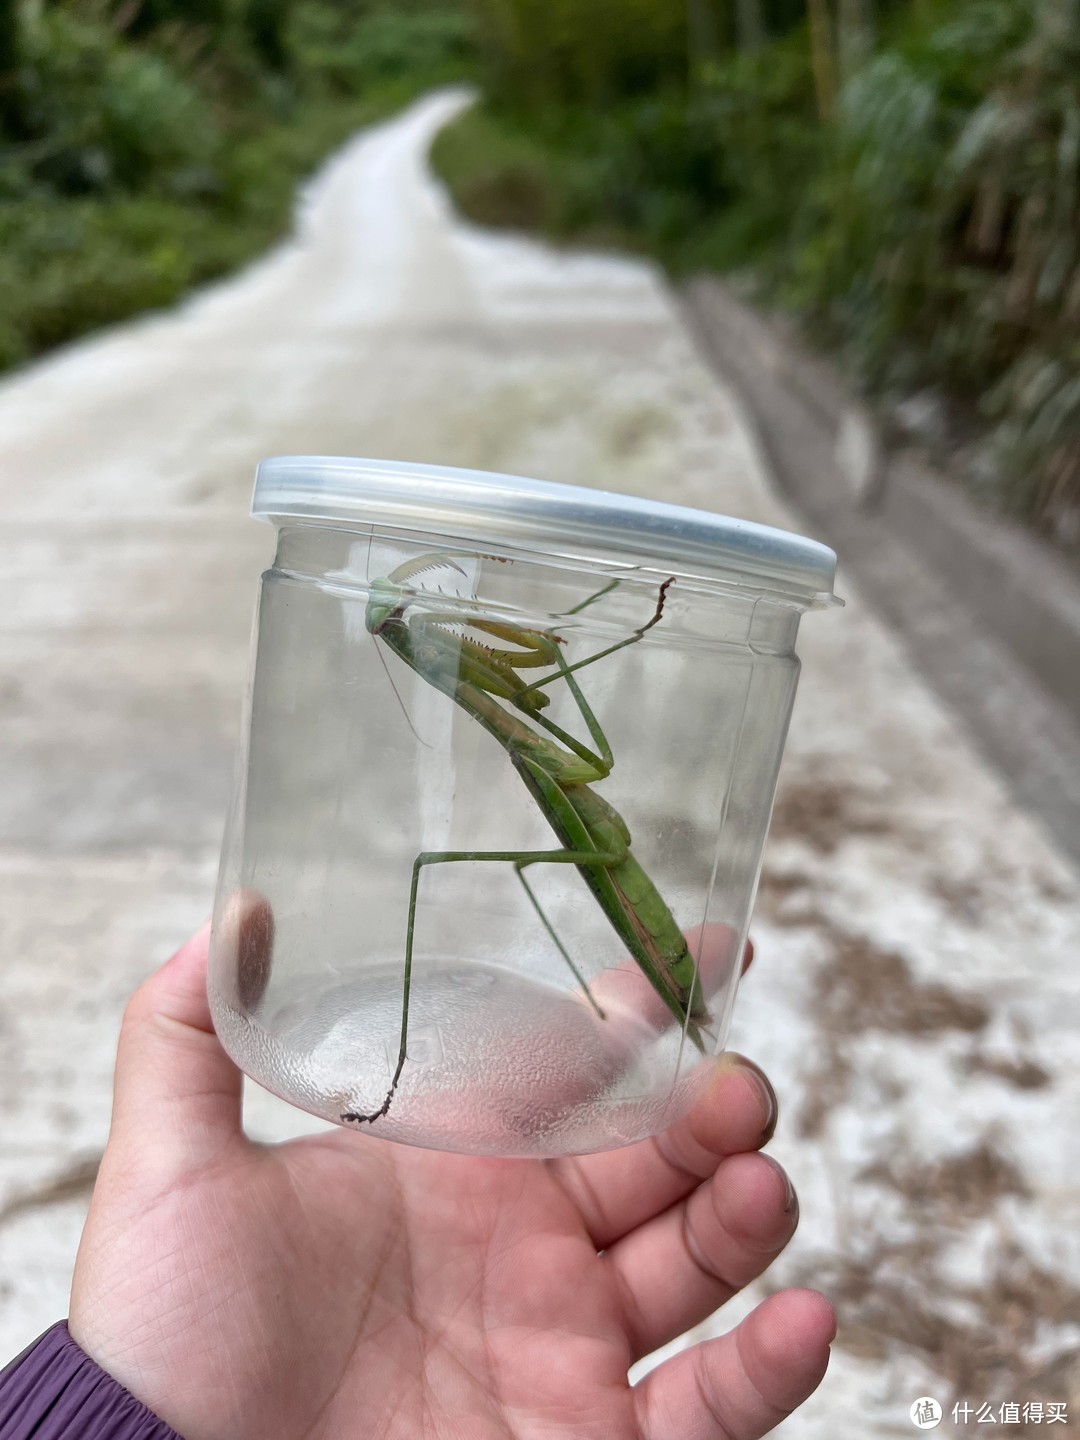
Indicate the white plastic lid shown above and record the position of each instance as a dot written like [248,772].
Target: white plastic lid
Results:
[566,521]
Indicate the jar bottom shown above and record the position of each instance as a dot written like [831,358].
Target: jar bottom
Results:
[499,1063]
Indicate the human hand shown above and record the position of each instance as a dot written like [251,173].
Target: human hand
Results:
[340,1286]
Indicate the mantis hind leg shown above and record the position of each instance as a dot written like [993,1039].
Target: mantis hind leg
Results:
[520,859]
[519,870]
[592,599]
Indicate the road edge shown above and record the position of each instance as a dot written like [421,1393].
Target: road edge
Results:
[989,614]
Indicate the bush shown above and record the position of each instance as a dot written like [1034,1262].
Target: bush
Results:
[697,178]
[941,243]
[96,115]
[591,52]
[149,149]
[355,45]
[70,265]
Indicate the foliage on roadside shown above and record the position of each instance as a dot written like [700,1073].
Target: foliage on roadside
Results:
[149,145]
[908,181]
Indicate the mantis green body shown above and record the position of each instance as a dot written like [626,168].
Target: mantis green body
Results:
[557,769]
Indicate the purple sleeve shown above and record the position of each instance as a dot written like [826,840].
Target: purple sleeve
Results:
[54,1391]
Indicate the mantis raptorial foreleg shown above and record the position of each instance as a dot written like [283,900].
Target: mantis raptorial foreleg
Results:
[519,858]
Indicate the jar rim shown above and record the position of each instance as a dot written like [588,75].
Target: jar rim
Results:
[544,518]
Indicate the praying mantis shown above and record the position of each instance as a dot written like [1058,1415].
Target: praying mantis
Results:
[484,677]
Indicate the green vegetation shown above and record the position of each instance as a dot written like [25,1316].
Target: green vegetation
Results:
[902,174]
[147,145]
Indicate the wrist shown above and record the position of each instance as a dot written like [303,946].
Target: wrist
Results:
[54,1391]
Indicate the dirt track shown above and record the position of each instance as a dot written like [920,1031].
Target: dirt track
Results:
[916,993]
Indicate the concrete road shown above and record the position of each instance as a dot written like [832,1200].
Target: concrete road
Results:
[917,991]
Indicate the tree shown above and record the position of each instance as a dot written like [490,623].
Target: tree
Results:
[9,66]
[821,56]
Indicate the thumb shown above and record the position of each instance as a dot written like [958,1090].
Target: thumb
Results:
[176,1094]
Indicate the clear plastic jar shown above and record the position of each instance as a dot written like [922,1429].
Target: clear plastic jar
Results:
[503,791]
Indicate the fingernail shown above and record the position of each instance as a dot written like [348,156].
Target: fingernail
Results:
[770,1104]
[248,937]
[791,1200]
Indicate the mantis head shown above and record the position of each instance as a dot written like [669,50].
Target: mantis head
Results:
[389,596]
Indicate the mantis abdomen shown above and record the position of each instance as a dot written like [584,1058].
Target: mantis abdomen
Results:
[626,894]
